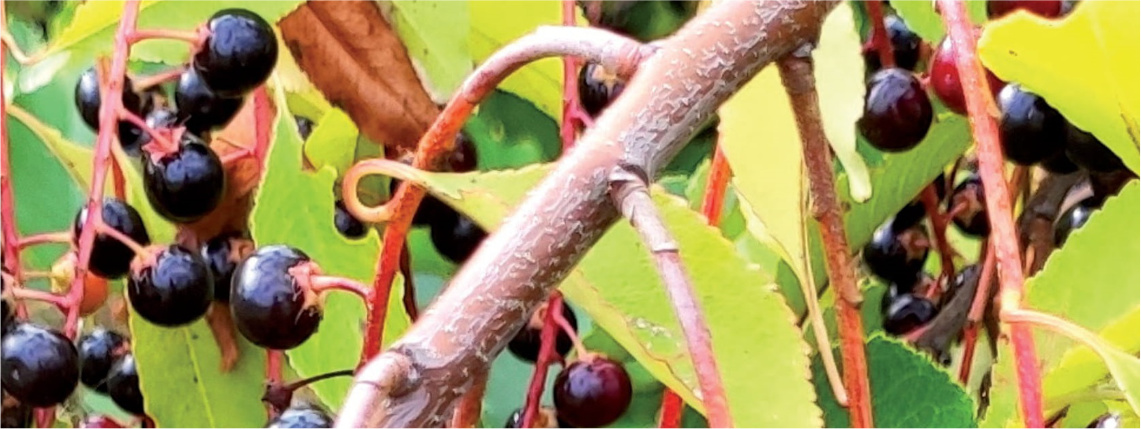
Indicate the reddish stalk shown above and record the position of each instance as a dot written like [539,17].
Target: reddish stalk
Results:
[797,75]
[715,187]
[930,198]
[571,106]
[471,404]
[192,37]
[272,376]
[38,295]
[11,236]
[546,355]
[44,238]
[142,83]
[118,181]
[160,139]
[880,41]
[320,284]
[975,314]
[1003,237]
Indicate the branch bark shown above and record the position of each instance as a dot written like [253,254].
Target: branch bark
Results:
[673,93]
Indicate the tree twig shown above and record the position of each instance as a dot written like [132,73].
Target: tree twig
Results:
[547,337]
[11,249]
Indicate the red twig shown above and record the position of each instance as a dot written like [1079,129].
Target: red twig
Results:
[47,237]
[571,107]
[193,37]
[320,284]
[1005,241]
[671,411]
[930,198]
[715,187]
[272,376]
[11,236]
[263,122]
[975,314]
[546,355]
[880,41]
[39,295]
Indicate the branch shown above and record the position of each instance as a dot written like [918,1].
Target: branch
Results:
[796,72]
[1005,241]
[629,193]
[675,91]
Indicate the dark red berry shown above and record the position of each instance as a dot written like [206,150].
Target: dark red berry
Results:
[526,343]
[98,421]
[176,290]
[1045,8]
[904,45]
[906,313]
[456,236]
[98,351]
[1031,130]
[302,417]
[897,255]
[897,112]
[597,87]
[592,392]
[239,54]
[969,204]
[269,306]
[545,418]
[463,157]
[346,224]
[223,254]
[88,99]
[1088,152]
[109,257]
[123,385]
[186,185]
[1073,218]
[200,109]
[15,414]
[944,79]
[40,366]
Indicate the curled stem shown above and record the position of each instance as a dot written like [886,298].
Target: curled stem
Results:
[321,284]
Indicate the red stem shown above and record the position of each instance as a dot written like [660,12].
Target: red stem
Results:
[11,236]
[546,355]
[272,376]
[715,187]
[118,180]
[263,120]
[671,411]
[44,238]
[880,41]
[571,104]
[39,295]
[930,198]
[975,314]
[1005,241]
[319,284]
[161,140]
[136,36]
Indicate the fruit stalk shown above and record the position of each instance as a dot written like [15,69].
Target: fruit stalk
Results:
[632,198]
[571,106]
[939,221]
[880,41]
[546,355]
[468,411]
[975,314]
[1005,241]
[7,201]
[715,187]
[796,72]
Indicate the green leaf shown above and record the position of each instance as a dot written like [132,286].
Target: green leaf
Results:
[841,92]
[510,132]
[295,207]
[616,283]
[429,30]
[922,18]
[495,24]
[333,141]
[908,390]
[1085,65]
[1081,367]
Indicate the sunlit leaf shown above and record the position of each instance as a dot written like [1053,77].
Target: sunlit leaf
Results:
[430,29]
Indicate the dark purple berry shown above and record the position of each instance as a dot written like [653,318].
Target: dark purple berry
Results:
[346,224]
[906,313]
[88,100]
[110,258]
[900,287]
[456,236]
[431,210]
[223,254]
[98,351]
[1045,8]
[302,417]
[897,255]
[526,343]
[269,306]
[123,385]
[239,54]
[592,392]
[1031,130]
[176,290]
[200,109]
[1088,152]
[897,112]
[1060,163]
[1073,218]
[904,45]
[186,185]
[40,366]
[158,118]
[463,158]
[597,87]
[968,202]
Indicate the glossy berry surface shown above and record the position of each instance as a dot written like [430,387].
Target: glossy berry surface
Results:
[592,392]
[40,366]
[1045,8]
[175,291]
[527,342]
[186,185]
[904,45]
[897,112]
[346,224]
[1073,218]
[914,212]
[200,109]
[463,159]
[906,313]
[944,79]
[302,417]
[98,351]
[1108,421]
[1030,129]
[597,87]
[88,100]
[897,255]
[456,236]
[1088,152]
[223,254]
[268,305]
[971,217]
[239,54]
[901,287]
[110,258]
[123,385]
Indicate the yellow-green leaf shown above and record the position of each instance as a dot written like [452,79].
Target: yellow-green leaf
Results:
[841,91]
[498,23]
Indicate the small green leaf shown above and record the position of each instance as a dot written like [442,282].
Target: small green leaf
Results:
[908,390]
[333,141]
[429,30]
[922,18]
[841,91]
[1080,367]
[1085,65]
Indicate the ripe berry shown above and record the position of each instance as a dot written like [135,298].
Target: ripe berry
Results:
[88,101]
[1088,152]
[1045,8]
[302,417]
[526,343]
[239,54]
[201,109]
[592,392]
[914,212]
[1073,218]
[40,366]
[97,421]
[269,306]
[1031,130]
[971,218]
[545,418]
[431,209]
[110,258]
[223,254]
[176,290]
[123,385]
[456,236]
[897,112]
[597,87]
[904,45]
[98,351]
[346,224]
[463,157]
[906,313]
[185,185]
[1060,163]
[897,256]
[945,83]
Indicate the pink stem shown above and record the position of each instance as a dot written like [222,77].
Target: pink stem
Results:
[546,355]
[44,238]
[879,34]
[320,284]
[571,104]
[11,236]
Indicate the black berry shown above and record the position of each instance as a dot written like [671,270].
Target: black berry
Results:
[463,158]
[175,291]
[223,254]
[944,79]
[98,351]
[456,236]
[1045,8]
[897,112]
[526,343]
[1031,130]
[1073,218]
[302,417]
[200,109]
[346,224]
[239,54]
[269,306]
[1088,152]
[897,255]
[906,313]
[904,45]
[186,185]
[900,287]
[914,212]
[969,205]
[597,87]
[123,385]
[88,100]
[40,366]
[1060,163]
[592,392]
[110,258]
